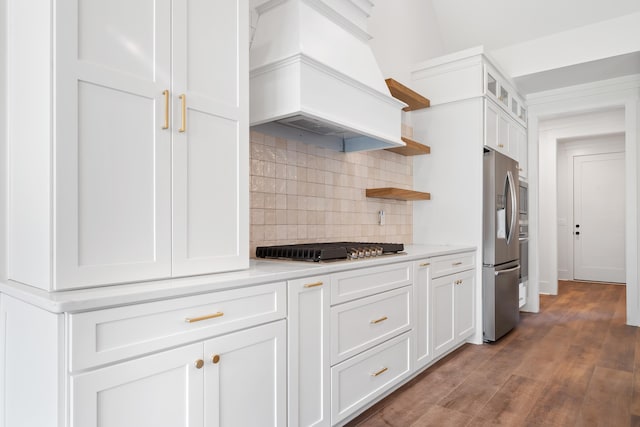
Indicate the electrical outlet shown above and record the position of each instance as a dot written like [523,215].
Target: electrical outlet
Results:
[381,217]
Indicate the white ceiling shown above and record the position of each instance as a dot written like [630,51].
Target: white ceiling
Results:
[499,23]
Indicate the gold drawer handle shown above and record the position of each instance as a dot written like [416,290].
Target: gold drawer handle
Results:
[313,285]
[382,319]
[215,358]
[199,363]
[425,264]
[381,371]
[208,316]
[457,263]
[501,145]
[183,104]
[458,282]
[165,93]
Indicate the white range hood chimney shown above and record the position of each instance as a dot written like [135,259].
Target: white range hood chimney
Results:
[314,77]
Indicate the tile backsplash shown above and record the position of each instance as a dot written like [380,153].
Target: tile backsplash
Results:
[302,193]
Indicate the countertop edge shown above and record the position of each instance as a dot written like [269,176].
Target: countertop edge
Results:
[260,271]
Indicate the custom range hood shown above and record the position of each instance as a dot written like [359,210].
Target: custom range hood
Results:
[315,79]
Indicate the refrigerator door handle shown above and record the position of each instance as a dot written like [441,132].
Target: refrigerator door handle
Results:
[514,207]
[508,270]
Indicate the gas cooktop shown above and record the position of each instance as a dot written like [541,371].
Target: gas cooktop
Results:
[328,251]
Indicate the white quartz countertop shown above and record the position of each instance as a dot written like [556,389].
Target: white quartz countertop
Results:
[260,271]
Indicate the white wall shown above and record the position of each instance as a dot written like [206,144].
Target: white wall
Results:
[567,150]
[3,142]
[550,131]
[404,33]
[621,93]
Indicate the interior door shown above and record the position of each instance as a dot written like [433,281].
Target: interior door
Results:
[599,217]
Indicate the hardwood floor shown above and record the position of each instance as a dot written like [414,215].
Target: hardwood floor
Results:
[575,363]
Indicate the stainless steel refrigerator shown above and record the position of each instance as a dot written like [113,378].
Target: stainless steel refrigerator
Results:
[501,247]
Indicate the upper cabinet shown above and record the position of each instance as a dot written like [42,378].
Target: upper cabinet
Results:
[129,143]
[498,89]
[470,74]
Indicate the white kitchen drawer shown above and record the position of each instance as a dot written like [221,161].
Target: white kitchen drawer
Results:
[349,285]
[359,380]
[361,324]
[449,264]
[104,336]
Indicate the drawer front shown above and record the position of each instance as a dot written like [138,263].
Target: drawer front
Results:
[361,324]
[350,285]
[104,336]
[357,381]
[449,264]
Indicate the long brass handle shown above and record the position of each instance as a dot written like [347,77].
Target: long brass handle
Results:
[166,109]
[313,285]
[425,264]
[382,319]
[457,263]
[208,316]
[183,102]
[381,371]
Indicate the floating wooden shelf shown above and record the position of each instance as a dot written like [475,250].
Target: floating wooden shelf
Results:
[413,148]
[413,99]
[397,194]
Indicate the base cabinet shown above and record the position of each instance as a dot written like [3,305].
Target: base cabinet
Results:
[308,352]
[230,381]
[453,310]
[422,310]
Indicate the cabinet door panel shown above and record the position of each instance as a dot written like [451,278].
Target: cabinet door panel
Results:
[162,390]
[422,304]
[246,387]
[210,164]
[308,351]
[121,41]
[465,307]
[442,297]
[112,168]
[491,113]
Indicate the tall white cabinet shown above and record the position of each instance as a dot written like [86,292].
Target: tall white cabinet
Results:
[473,107]
[128,140]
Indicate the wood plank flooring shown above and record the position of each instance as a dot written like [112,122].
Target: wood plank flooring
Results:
[575,363]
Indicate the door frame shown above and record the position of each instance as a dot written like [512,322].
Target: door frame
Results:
[581,147]
[571,215]
[580,99]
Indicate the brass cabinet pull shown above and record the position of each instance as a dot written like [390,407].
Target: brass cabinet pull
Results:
[457,263]
[208,316]
[501,145]
[425,264]
[381,371]
[215,358]
[382,319]
[183,102]
[166,109]
[458,282]
[313,285]
[199,364]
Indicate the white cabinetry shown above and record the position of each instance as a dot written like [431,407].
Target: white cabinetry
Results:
[422,310]
[234,380]
[309,388]
[452,308]
[139,137]
[216,359]
[372,342]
